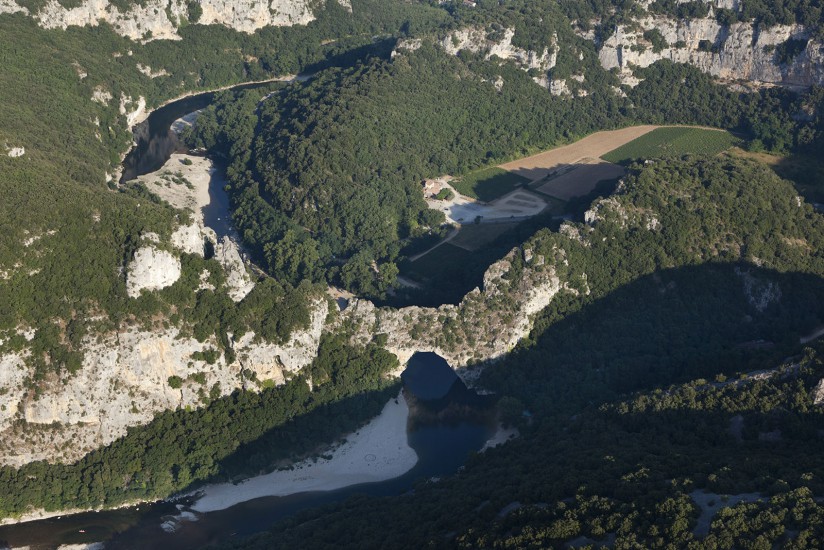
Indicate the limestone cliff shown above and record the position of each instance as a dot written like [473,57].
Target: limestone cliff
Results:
[124,381]
[739,52]
[160,19]
[483,327]
[151,269]
[479,41]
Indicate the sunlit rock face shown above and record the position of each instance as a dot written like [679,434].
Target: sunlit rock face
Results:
[161,19]
[739,52]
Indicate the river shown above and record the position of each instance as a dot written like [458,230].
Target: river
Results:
[442,442]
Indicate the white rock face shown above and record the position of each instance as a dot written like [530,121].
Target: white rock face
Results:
[559,87]
[151,269]
[140,22]
[272,361]
[134,115]
[189,239]
[485,326]
[475,40]
[743,52]
[250,15]
[151,73]
[237,278]
[124,381]
[101,95]
[16,152]
[9,6]
[193,198]
[13,372]
[818,393]
[160,19]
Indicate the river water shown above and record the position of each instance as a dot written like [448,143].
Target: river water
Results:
[442,446]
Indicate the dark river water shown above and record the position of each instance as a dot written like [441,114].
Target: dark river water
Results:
[154,139]
[442,442]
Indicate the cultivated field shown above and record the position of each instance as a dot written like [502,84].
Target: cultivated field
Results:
[579,180]
[557,160]
[474,236]
[673,141]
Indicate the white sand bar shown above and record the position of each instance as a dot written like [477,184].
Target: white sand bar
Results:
[377,452]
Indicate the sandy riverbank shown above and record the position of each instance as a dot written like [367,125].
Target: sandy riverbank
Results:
[377,452]
[198,171]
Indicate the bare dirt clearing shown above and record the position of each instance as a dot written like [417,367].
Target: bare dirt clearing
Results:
[583,151]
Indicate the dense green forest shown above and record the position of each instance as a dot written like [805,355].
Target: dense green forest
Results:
[366,198]
[631,393]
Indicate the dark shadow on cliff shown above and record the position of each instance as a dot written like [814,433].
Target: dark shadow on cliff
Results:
[670,326]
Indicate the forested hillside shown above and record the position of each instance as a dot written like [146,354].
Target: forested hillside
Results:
[64,98]
[243,433]
[696,272]
[326,176]
[629,393]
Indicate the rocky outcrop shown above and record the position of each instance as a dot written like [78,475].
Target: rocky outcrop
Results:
[189,239]
[10,6]
[150,20]
[186,186]
[479,41]
[760,293]
[818,393]
[483,327]
[124,378]
[250,15]
[276,361]
[15,152]
[160,19]
[124,381]
[102,96]
[148,71]
[151,269]
[740,52]
[134,111]
[238,281]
